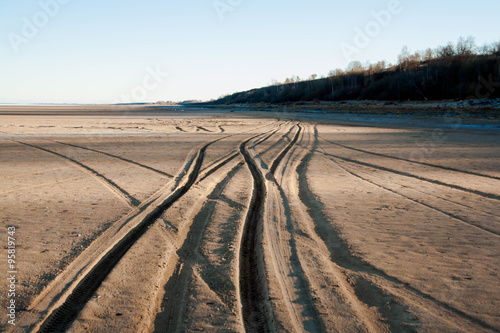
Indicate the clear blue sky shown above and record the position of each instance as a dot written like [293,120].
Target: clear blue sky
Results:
[90,51]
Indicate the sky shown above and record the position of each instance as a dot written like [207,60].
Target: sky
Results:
[123,51]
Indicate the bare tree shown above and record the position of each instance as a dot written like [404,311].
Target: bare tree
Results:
[428,54]
[416,57]
[335,72]
[496,48]
[466,46]
[446,51]
[380,66]
[404,58]
[354,66]
[274,82]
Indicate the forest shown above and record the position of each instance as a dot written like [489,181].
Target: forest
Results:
[460,71]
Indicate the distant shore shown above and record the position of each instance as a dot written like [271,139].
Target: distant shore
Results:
[480,108]
[474,114]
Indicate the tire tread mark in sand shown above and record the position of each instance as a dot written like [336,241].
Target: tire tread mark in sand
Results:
[180,129]
[407,174]
[412,161]
[277,161]
[219,165]
[171,323]
[257,313]
[109,183]
[119,158]
[374,270]
[283,137]
[61,317]
[456,217]
[201,128]
[342,255]
[316,325]
[226,159]
[266,138]
[170,319]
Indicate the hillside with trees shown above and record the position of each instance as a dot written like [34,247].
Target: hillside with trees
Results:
[452,72]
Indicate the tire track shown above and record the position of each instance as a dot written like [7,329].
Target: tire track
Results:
[257,312]
[189,255]
[265,138]
[337,303]
[57,289]
[45,305]
[200,128]
[278,159]
[121,193]
[277,141]
[406,174]
[412,161]
[301,306]
[170,319]
[327,242]
[342,256]
[453,216]
[118,157]
[228,157]
[61,317]
[308,309]
[218,165]
[417,292]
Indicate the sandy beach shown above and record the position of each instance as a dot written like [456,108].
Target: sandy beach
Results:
[169,219]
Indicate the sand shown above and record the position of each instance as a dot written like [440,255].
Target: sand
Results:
[154,219]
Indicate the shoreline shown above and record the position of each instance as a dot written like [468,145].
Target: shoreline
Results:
[480,107]
[445,115]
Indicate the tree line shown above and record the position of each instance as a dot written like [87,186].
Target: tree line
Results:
[454,71]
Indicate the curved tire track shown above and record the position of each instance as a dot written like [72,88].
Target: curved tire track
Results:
[214,166]
[73,300]
[189,255]
[295,287]
[257,313]
[401,285]
[121,193]
[170,319]
[119,158]
[342,256]
[278,159]
[419,202]
[407,174]
[413,161]
[201,128]
[61,317]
